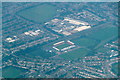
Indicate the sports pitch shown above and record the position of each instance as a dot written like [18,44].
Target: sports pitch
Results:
[85,42]
[61,46]
[40,14]
[12,72]
[77,53]
[104,33]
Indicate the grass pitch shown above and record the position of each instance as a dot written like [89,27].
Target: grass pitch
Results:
[41,13]
[104,33]
[12,72]
[77,53]
[85,42]
[61,46]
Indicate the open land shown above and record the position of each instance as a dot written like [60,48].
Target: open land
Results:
[60,40]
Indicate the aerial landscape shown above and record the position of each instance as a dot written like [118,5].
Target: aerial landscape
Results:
[60,40]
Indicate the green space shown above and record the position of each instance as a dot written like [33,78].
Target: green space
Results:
[41,13]
[77,53]
[103,49]
[104,33]
[115,68]
[12,72]
[35,51]
[63,46]
[86,42]
[41,53]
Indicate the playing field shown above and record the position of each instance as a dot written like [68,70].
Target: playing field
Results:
[103,49]
[86,42]
[81,52]
[12,72]
[63,46]
[36,51]
[104,33]
[115,68]
[41,13]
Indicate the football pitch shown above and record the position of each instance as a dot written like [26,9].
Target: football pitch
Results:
[63,46]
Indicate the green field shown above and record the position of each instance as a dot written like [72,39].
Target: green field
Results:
[104,33]
[12,72]
[36,51]
[86,42]
[115,68]
[63,46]
[81,52]
[103,49]
[40,14]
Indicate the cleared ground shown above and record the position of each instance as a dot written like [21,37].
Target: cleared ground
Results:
[40,14]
